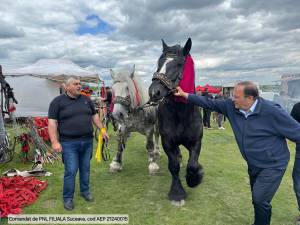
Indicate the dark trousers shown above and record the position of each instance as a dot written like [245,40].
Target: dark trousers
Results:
[296,179]
[76,155]
[206,117]
[219,119]
[264,184]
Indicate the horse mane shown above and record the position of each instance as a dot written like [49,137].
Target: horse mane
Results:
[135,85]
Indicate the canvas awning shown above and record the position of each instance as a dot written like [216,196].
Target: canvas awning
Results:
[33,86]
[55,70]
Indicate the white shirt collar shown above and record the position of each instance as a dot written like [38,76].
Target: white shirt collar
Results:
[252,108]
[250,111]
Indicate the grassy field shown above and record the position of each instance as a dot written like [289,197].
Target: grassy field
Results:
[222,199]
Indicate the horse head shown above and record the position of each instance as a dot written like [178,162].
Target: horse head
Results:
[121,95]
[169,71]
[128,94]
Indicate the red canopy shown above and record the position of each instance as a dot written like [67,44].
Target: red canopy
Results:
[210,89]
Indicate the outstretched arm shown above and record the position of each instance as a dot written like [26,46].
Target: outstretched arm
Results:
[203,101]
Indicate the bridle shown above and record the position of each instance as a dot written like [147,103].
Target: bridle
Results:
[125,101]
[163,79]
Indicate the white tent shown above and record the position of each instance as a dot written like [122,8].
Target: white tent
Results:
[36,85]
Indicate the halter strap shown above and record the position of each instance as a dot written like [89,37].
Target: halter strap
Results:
[122,100]
[164,80]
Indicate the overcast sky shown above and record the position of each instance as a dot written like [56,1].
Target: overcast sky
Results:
[232,39]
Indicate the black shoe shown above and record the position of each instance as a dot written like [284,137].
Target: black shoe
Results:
[69,205]
[88,197]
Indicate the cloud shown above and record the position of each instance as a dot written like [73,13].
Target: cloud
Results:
[232,39]
[9,30]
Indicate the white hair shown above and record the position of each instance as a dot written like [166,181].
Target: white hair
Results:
[70,79]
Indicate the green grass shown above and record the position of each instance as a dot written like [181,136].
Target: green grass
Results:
[222,199]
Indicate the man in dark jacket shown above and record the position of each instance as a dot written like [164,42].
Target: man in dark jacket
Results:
[295,113]
[260,128]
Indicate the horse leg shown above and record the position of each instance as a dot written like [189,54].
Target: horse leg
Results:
[176,194]
[194,171]
[116,164]
[113,121]
[156,140]
[153,167]
[180,158]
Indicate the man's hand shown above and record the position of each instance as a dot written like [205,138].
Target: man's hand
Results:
[104,134]
[56,147]
[181,93]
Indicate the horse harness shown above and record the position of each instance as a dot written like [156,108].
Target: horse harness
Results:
[162,77]
[125,101]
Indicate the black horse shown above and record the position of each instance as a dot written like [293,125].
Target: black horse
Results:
[180,122]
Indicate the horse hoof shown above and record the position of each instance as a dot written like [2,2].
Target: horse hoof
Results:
[153,168]
[194,176]
[115,167]
[178,203]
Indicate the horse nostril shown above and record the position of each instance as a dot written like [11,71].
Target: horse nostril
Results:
[157,93]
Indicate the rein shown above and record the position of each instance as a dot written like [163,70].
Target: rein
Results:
[149,103]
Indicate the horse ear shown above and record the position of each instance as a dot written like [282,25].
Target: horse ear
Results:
[112,74]
[133,70]
[165,46]
[187,47]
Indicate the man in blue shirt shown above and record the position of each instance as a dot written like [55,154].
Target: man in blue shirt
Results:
[260,128]
[295,113]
